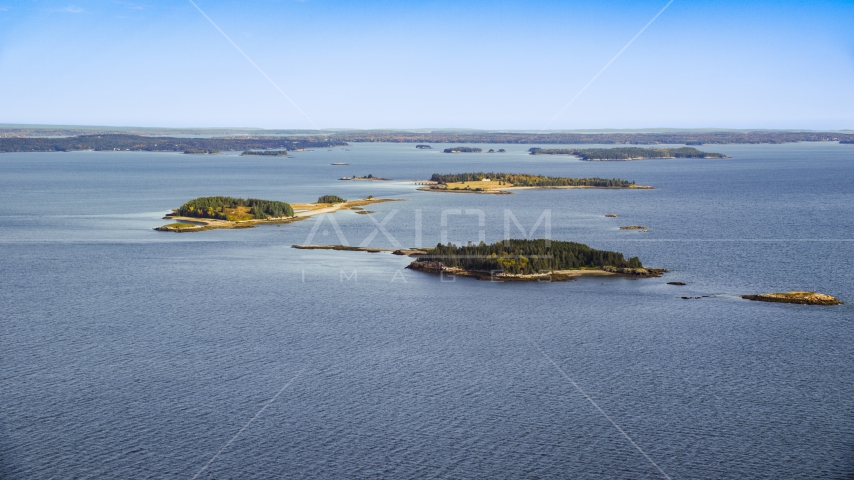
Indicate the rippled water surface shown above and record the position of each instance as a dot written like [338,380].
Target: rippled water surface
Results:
[131,353]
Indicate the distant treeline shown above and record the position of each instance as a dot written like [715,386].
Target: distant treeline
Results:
[266,153]
[528,180]
[463,150]
[215,207]
[527,256]
[683,138]
[122,142]
[627,153]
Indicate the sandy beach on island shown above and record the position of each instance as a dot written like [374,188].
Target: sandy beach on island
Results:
[301,212]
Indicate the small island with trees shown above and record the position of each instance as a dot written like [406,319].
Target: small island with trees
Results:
[209,213]
[265,153]
[369,177]
[205,151]
[424,147]
[462,150]
[529,260]
[500,183]
[626,153]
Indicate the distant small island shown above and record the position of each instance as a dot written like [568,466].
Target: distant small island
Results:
[529,260]
[424,147]
[626,153]
[462,150]
[500,150]
[802,298]
[369,177]
[209,213]
[206,151]
[265,153]
[499,183]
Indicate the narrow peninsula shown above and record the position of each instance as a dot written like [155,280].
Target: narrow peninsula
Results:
[529,260]
[626,153]
[500,183]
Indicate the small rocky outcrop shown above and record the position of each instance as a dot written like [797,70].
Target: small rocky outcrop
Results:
[611,215]
[638,272]
[676,283]
[802,298]
[410,252]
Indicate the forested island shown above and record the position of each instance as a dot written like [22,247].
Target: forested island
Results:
[626,153]
[499,183]
[265,153]
[369,177]
[207,151]
[537,260]
[208,213]
[136,143]
[424,147]
[234,209]
[462,150]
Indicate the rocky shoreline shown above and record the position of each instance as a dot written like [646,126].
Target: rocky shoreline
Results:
[436,267]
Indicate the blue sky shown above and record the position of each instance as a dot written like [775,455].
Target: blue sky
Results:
[383,64]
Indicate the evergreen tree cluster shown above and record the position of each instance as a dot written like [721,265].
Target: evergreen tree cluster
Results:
[330,199]
[529,180]
[214,207]
[626,153]
[527,256]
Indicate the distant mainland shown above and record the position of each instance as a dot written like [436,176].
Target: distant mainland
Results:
[36,138]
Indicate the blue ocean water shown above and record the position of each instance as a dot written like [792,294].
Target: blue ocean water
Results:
[132,353]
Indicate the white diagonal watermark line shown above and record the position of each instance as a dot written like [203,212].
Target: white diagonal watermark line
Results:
[592,402]
[254,64]
[608,64]
[248,423]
